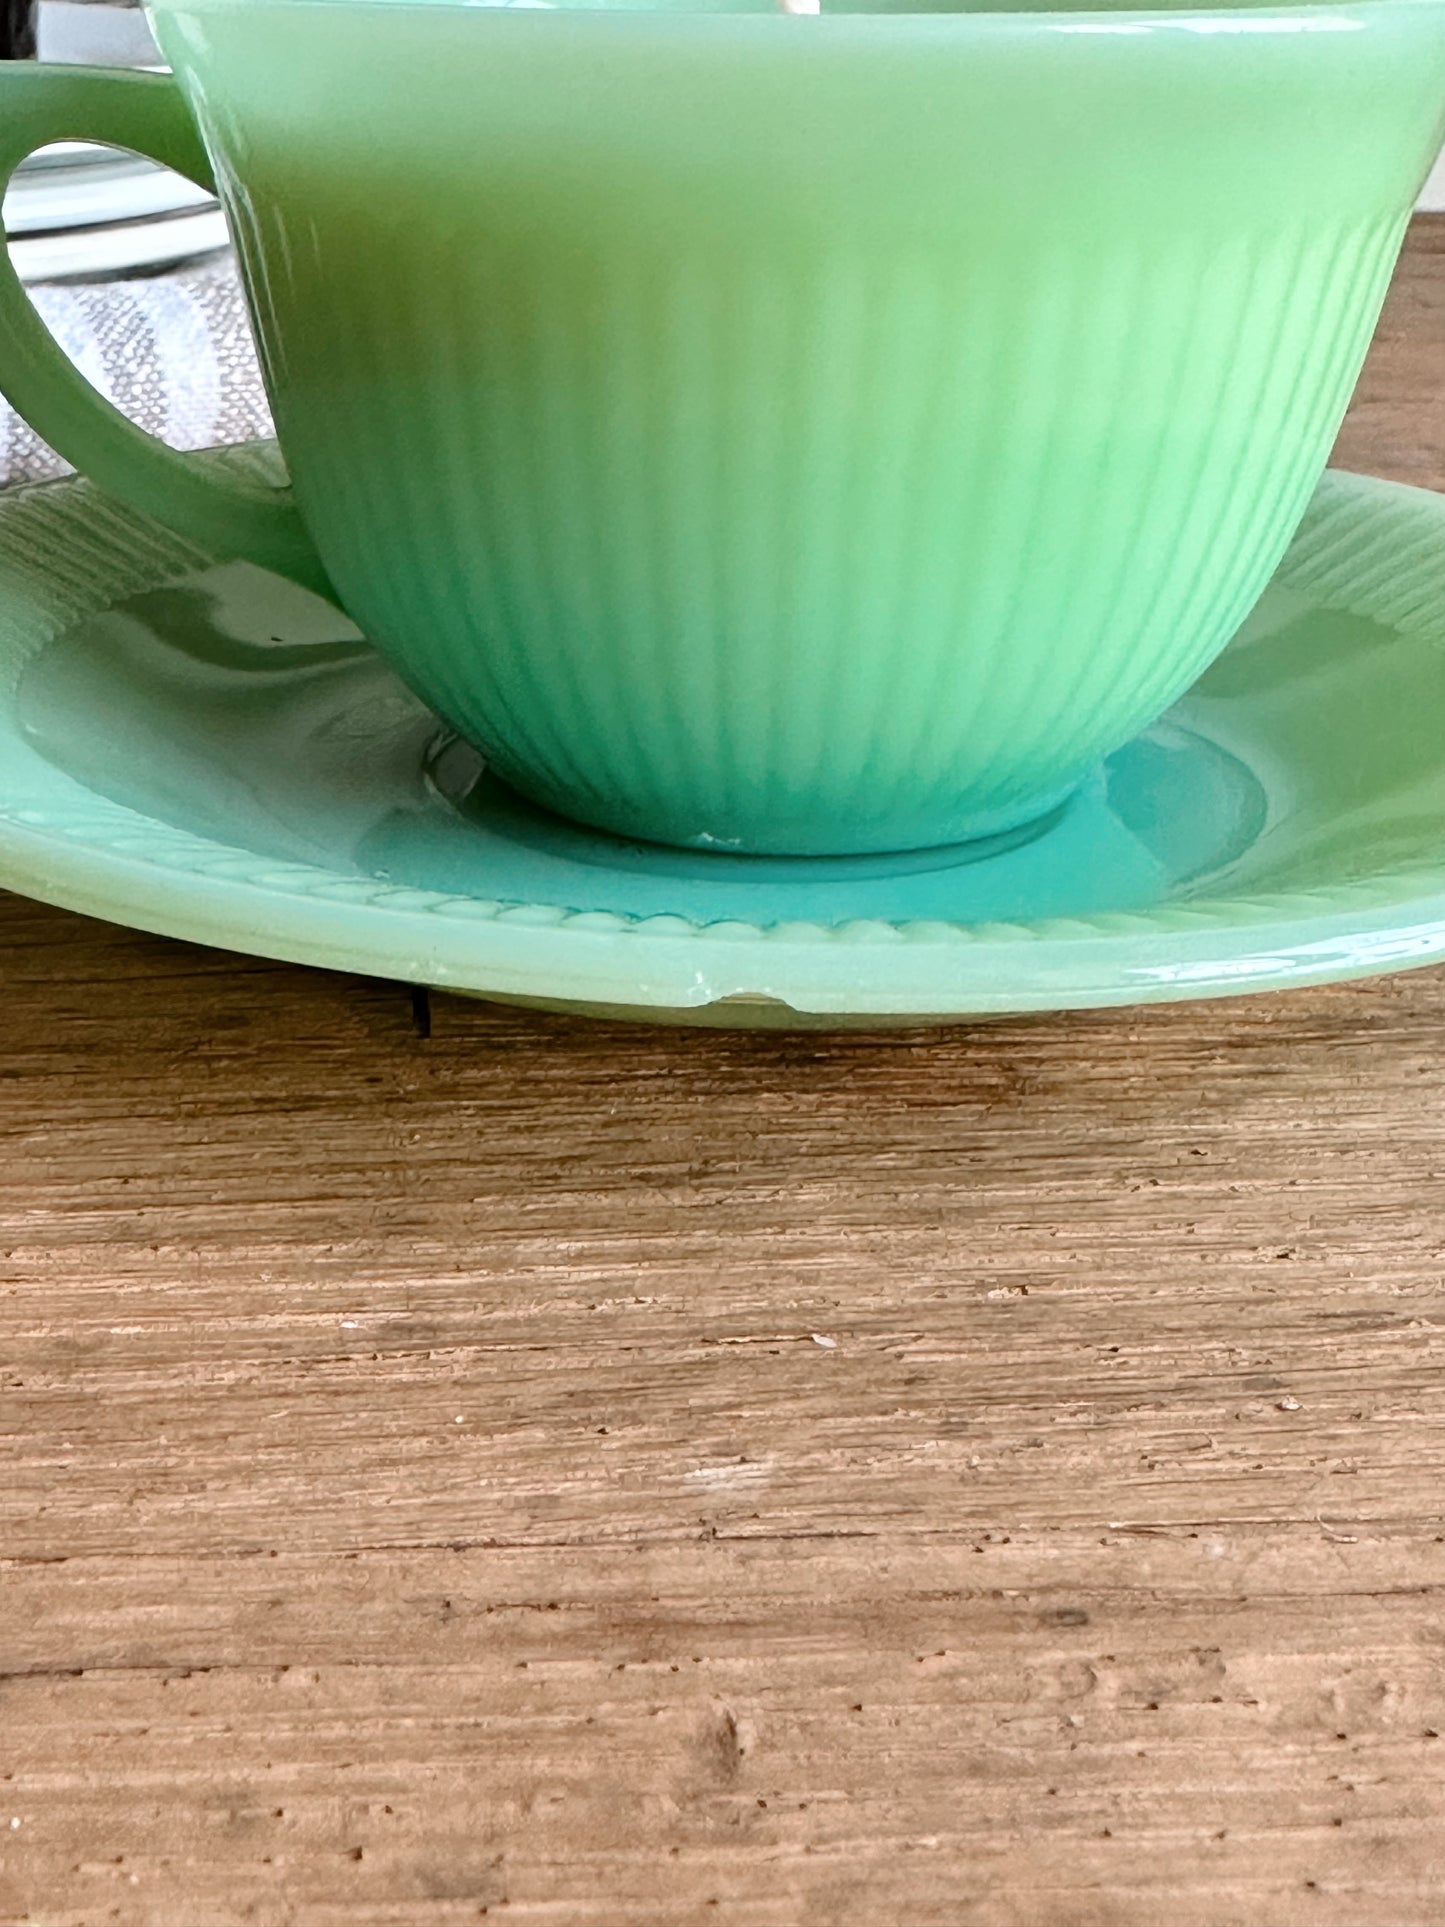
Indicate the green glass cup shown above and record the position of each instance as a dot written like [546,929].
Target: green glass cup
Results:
[764,431]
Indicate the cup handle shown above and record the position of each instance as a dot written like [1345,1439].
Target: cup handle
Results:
[228,514]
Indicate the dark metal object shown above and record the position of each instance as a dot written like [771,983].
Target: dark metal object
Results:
[17,29]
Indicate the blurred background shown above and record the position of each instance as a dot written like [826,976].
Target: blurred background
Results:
[127,263]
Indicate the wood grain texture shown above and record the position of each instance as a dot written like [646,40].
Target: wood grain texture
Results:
[595,1476]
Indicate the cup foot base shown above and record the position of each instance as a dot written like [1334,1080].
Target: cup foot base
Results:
[470,784]
[991,828]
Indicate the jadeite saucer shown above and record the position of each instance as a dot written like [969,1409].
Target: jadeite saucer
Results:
[194,747]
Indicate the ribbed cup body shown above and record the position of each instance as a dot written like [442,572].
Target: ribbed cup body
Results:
[807,434]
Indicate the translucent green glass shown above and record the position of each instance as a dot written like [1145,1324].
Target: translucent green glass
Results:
[794,434]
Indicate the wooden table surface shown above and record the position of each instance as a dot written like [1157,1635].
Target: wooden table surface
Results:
[602,1476]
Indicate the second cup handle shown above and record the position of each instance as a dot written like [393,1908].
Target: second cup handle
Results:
[225,513]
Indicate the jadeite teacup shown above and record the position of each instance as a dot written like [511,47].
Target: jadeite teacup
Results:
[777,432]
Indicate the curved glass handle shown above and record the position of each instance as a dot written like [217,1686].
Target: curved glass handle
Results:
[225,513]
